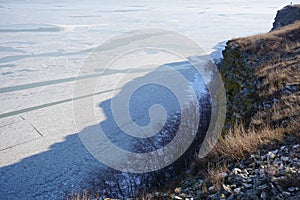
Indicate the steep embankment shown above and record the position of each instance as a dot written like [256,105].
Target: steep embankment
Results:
[287,15]
[258,156]
[261,76]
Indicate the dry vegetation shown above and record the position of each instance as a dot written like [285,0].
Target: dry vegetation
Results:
[284,40]
[269,65]
[275,57]
[237,145]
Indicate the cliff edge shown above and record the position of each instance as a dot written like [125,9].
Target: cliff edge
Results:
[287,15]
[261,74]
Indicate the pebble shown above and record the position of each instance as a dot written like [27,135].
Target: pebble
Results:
[291,189]
[271,155]
[177,197]
[283,147]
[182,195]
[237,190]
[286,194]
[275,151]
[227,189]
[285,158]
[246,185]
[263,195]
[236,171]
[259,177]
[211,189]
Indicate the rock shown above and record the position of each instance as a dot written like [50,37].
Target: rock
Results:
[237,190]
[236,171]
[183,195]
[238,178]
[246,185]
[283,147]
[291,189]
[231,197]
[214,196]
[287,15]
[178,190]
[285,158]
[227,189]
[296,146]
[263,195]
[271,155]
[286,194]
[211,189]
[157,193]
[245,172]
[275,151]
[177,197]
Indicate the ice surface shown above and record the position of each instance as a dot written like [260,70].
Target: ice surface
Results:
[43,46]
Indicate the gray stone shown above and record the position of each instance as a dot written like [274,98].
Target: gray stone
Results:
[236,171]
[177,197]
[285,158]
[291,189]
[211,189]
[246,185]
[263,195]
[244,171]
[237,190]
[286,194]
[287,15]
[271,155]
[231,197]
[283,147]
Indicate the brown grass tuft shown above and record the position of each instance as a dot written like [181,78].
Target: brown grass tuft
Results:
[238,144]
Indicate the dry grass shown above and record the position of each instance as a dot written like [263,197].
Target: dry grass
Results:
[80,196]
[238,144]
[275,78]
[275,58]
[273,43]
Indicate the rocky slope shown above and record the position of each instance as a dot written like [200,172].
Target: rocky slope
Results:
[261,74]
[288,15]
[261,77]
[272,174]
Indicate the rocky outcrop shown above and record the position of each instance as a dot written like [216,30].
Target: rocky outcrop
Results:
[287,15]
[238,77]
[273,174]
[261,76]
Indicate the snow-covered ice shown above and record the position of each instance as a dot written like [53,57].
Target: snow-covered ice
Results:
[44,44]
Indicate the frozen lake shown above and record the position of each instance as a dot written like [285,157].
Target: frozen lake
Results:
[44,44]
